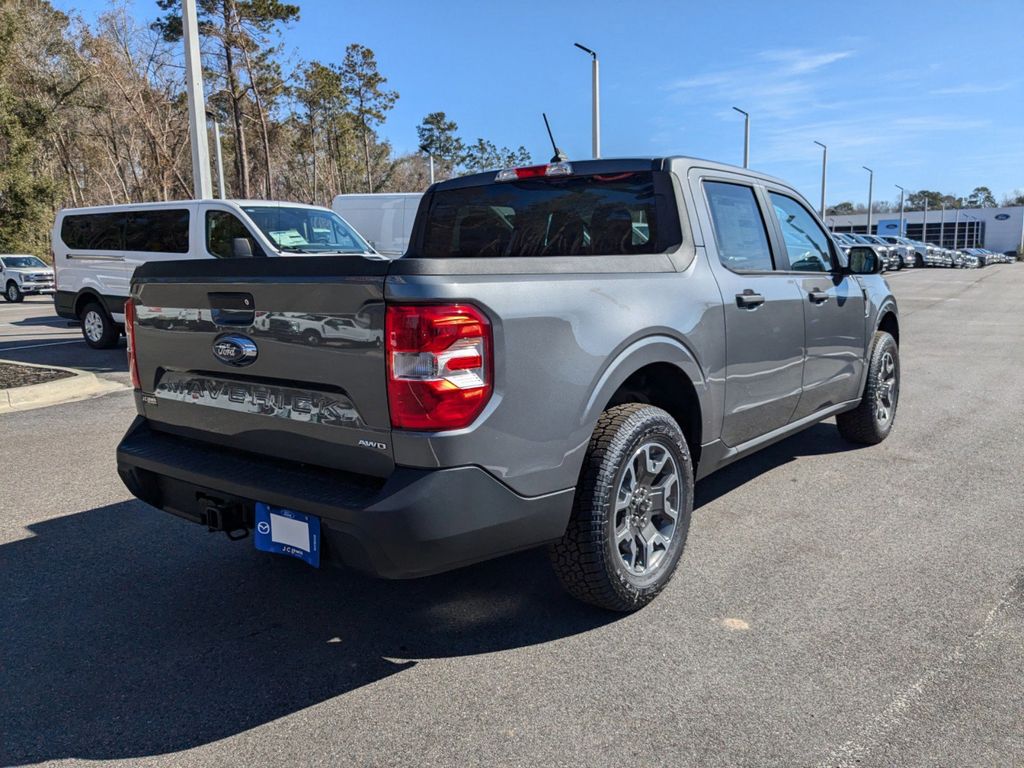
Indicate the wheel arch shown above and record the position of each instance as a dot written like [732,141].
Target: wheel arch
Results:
[889,322]
[659,371]
[85,296]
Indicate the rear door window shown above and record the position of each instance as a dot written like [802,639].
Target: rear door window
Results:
[593,215]
[740,232]
[158,231]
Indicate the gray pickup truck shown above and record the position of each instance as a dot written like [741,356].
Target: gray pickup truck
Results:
[562,352]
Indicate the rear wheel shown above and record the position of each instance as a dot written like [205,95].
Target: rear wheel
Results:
[12,292]
[631,512]
[98,327]
[871,421]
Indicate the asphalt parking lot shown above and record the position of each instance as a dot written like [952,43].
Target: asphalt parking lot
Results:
[836,605]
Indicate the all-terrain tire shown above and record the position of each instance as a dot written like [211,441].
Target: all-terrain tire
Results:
[864,423]
[587,559]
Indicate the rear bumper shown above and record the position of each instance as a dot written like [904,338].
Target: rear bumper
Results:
[415,523]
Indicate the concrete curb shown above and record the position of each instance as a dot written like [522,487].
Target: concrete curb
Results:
[80,386]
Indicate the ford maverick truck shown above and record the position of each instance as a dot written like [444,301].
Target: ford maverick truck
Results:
[561,353]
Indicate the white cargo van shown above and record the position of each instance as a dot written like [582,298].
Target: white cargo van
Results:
[96,250]
[383,219]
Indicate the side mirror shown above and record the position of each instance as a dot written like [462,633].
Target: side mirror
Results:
[241,248]
[864,261]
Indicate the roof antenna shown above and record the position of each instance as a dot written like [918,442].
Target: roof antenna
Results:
[560,156]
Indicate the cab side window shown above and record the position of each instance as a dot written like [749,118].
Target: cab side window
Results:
[740,232]
[222,229]
[806,242]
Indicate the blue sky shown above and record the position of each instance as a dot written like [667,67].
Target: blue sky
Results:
[929,94]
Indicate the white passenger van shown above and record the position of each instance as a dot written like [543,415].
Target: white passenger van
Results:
[96,250]
[383,219]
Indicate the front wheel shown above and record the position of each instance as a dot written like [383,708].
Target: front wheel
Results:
[631,513]
[13,293]
[871,421]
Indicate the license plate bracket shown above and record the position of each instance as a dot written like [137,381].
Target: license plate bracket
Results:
[287,532]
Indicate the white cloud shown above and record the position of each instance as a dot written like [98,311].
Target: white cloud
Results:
[799,61]
[972,88]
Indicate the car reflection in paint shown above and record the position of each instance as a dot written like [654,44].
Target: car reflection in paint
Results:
[317,329]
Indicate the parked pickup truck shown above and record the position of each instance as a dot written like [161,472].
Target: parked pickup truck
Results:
[566,349]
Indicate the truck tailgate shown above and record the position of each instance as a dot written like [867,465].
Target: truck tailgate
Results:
[280,356]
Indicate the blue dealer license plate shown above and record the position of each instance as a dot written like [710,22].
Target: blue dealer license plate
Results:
[285,532]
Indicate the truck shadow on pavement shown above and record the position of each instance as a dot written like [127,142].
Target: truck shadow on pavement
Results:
[128,633]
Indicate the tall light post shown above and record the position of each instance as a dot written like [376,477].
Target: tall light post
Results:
[596,101]
[901,207]
[871,184]
[201,183]
[219,157]
[942,226]
[956,229]
[824,170]
[924,224]
[746,136]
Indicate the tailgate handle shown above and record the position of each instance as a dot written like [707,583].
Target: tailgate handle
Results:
[232,308]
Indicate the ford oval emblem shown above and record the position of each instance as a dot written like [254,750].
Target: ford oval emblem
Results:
[235,349]
[1002,216]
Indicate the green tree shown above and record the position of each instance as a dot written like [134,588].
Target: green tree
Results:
[439,138]
[844,208]
[369,102]
[916,200]
[981,197]
[483,155]
[31,37]
[240,29]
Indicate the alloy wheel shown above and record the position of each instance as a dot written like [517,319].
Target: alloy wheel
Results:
[647,506]
[887,390]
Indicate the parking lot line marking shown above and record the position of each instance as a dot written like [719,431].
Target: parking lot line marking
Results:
[47,344]
[856,751]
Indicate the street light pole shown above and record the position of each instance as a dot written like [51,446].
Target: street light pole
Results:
[956,230]
[746,136]
[201,182]
[824,169]
[220,162]
[871,184]
[901,207]
[924,224]
[595,100]
[942,226]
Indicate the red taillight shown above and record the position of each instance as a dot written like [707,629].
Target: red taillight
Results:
[439,365]
[129,334]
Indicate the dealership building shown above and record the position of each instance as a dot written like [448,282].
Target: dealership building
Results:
[998,229]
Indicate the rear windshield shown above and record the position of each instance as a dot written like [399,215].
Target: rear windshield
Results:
[598,215]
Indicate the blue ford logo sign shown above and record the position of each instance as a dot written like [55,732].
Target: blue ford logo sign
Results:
[1002,216]
[891,226]
[235,349]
